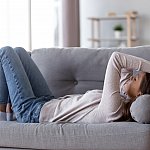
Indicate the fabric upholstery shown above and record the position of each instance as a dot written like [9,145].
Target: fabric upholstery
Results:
[114,136]
[69,71]
[76,70]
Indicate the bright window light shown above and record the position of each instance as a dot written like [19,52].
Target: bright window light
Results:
[14,23]
[43,22]
[30,23]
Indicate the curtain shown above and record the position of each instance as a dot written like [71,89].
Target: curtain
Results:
[70,23]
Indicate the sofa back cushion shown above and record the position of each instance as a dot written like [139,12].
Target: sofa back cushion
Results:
[76,70]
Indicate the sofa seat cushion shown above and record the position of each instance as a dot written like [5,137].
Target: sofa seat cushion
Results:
[119,135]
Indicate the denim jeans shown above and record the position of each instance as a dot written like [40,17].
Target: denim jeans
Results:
[23,83]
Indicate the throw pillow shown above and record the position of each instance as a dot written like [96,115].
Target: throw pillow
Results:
[140,109]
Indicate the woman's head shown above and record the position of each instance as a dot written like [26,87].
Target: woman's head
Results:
[145,85]
[138,85]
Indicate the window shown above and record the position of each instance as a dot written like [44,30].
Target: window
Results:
[30,23]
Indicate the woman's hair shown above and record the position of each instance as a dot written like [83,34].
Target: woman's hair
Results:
[145,85]
[144,88]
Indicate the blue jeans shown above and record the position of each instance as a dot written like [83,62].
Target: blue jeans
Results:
[23,83]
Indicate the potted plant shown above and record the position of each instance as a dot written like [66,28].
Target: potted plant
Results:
[118,30]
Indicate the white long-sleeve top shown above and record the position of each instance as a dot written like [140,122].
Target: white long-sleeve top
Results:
[97,106]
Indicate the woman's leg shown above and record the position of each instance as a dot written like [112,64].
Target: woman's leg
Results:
[24,103]
[37,81]
[3,95]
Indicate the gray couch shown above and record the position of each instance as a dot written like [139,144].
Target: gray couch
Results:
[69,71]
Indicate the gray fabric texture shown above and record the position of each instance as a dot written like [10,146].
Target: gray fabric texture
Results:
[114,136]
[140,109]
[76,70]
[69,71]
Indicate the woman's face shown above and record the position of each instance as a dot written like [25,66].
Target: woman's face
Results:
[132,87]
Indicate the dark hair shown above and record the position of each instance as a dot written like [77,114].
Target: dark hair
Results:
[145,85]
[145,89]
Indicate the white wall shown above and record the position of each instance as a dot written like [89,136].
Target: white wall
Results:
[100,8]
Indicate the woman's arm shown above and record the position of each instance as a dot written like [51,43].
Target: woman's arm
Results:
[125,77]
[111,102]
[125,74]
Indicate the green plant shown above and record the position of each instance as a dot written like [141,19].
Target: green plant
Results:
[118,27]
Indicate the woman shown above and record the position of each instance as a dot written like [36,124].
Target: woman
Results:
[33,102]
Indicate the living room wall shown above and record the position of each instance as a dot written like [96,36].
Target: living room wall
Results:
[100,8]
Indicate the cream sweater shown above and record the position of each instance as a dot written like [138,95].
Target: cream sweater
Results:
[97,106]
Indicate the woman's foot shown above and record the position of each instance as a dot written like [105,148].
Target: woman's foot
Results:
[3,112]
[3,116]
[9,112]
[9,116]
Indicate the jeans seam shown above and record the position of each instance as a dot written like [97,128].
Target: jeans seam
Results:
[14,76]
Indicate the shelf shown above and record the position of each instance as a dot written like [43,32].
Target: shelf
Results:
[131,28]
[123,17]
[111,39]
